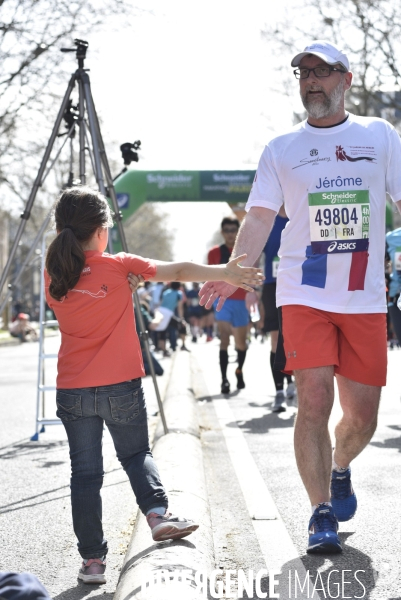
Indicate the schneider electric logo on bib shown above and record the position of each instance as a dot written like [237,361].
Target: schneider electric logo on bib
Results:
[341,197]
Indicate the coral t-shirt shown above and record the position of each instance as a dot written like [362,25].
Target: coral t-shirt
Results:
[99,342]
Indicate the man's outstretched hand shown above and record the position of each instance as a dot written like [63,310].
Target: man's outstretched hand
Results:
[211,290]
[239,276]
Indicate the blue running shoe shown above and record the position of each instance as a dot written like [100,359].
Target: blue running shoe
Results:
[343,497]
[323,528]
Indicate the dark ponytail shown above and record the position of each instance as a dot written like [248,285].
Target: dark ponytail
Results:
[78,213]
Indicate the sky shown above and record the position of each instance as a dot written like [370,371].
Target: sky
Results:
[193,81]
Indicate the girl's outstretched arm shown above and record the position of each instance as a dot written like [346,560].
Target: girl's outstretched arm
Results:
[232,273]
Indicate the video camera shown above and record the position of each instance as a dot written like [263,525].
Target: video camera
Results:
[128,152]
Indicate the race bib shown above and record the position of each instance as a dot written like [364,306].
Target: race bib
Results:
[397,259]
[275,264]
[339,221]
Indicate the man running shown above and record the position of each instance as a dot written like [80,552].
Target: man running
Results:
[234,317]
[194,311]
[271,319]
[331,172]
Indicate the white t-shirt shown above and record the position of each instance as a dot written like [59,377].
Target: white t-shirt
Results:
[332,182]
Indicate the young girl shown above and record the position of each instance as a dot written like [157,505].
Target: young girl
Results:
[100,366]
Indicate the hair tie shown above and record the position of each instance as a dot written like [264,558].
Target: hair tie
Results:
[68,227]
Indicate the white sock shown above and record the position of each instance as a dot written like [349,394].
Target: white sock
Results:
[159,510]
[336,467]
[314,507]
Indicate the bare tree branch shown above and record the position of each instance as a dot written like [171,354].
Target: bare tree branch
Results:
[369,31]
[31,68]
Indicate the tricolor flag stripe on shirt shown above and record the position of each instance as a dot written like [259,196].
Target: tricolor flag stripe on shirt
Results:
[357,272]
[314,270]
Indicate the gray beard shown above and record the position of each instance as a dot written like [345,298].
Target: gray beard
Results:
[329,106]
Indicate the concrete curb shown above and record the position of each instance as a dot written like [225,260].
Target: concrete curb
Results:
[179,458]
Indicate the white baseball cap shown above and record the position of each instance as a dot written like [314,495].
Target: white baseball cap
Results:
[324,50]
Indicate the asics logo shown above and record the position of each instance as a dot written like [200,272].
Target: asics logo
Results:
[349,246]
[341,246]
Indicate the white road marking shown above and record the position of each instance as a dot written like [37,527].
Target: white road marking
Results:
[275,542]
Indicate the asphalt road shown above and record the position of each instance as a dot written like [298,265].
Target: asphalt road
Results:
[35,519]
[241,435]
[259,508]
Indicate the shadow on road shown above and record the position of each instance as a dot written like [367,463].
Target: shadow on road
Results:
[264,424]
[29,448]
[209,398]
[334,580]
[14,443]
[390,443]
[81,590]
[350,574]
[11,507]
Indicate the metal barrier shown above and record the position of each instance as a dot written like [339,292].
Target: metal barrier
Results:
[41,420]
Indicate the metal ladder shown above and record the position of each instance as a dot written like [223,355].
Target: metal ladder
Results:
[41,420]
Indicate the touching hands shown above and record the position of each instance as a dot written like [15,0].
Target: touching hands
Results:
[235,276]
[211,290]
[242,277]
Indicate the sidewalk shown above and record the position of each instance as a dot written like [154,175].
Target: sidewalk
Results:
[6,339]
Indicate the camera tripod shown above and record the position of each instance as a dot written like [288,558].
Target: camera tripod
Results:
[91,142]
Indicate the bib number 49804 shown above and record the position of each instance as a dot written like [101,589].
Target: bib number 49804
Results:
[337,216]
[339,221]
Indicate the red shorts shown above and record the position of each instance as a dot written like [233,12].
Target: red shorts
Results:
[355,344]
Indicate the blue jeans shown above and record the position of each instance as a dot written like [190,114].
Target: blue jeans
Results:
[83,411]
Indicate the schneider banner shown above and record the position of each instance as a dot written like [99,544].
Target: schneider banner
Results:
[134,188]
